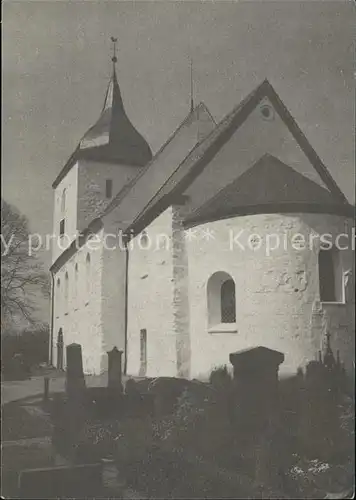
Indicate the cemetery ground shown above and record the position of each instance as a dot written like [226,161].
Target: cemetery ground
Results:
[26,427]
[185,445]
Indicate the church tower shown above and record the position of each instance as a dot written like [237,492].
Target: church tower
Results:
[109,155]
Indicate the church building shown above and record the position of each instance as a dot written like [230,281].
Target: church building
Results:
[233,235]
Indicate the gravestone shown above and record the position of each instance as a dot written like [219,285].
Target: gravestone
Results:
[75,382]
[115,370]
[166,391]
[74,412]
[80,481]
[320,428]
[255,386]
[256,409]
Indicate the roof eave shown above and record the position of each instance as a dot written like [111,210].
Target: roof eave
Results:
[344,210]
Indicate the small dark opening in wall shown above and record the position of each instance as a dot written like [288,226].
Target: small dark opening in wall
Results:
[108,188]
[61,227]
[327,276]
[228,304]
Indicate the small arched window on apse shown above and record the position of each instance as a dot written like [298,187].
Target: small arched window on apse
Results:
[63,201]
[228,302]
[88,275]
[331,286]
[66,289]
[221,300]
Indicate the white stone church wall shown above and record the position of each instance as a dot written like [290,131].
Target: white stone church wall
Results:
[277,295]
[80,317]
[113,297]
[92,177]
[150,300]
[70,185]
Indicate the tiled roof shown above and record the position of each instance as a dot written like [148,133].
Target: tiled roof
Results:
[112,138]
[134,197]
[269,183]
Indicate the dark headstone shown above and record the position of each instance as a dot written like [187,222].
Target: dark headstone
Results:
[255,386]
[75,382]
[256,408]
[166,391]
[320,425]
[81,481]
[115,370]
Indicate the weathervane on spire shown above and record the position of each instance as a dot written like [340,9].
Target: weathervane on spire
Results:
[114,58]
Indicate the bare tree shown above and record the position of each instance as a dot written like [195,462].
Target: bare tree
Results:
[22,276]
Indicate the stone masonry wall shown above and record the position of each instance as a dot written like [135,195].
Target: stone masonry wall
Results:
[277,295]
[70,185]
[80,316]
[92,178]
[113,298]
[150,300]
[181,311]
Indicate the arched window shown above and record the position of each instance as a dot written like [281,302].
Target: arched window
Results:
[66,289]
[63,201]
[228,302]
[330,276]
[221,299]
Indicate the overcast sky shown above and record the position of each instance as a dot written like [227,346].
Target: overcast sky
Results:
[56,65]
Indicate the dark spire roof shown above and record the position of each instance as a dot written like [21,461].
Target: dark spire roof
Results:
[112,138]
[115,132]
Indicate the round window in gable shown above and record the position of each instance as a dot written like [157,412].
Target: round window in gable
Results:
[267,112]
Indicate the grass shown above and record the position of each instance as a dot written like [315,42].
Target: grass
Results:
[17,423]
[17,458]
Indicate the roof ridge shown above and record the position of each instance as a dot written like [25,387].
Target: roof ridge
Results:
[172,174]
[224,123]
[122,193]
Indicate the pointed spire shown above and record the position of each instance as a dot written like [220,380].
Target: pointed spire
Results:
[113,130]
[113,95]
[191,87]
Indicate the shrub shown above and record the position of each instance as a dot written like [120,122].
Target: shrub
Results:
[30,347]
[220,378]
